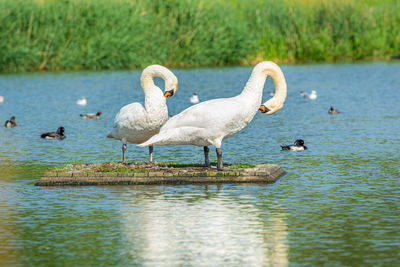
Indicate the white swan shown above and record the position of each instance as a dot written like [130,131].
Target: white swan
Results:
[312,95]
[1,99]
[210,122]
[135,123]
[82,101]
[194,99]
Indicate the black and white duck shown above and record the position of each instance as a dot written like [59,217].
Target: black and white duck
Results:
[54,135]
[11,122]
[298,146]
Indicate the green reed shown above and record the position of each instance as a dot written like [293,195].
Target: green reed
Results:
[120,34]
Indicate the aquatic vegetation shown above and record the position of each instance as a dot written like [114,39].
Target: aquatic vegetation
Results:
[240,166]
[120,34]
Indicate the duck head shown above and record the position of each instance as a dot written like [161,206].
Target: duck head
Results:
[60,130]
[299,142]
[98,113]
[12,119]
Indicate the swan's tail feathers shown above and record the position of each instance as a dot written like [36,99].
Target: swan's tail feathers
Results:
[114,132]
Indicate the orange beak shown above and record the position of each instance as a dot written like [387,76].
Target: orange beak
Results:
[169,93]
[263,109]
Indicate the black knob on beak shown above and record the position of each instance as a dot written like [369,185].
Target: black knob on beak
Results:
[263,109]
[169,93]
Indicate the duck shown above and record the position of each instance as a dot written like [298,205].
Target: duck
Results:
[332,110]
[194,99]
[1,99]
[298,146]
[91,115]
[54,135]
[135,123]
[210,122]
[312,95]
[11,122]
[82,101]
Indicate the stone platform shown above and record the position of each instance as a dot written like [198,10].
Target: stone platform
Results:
[101,174]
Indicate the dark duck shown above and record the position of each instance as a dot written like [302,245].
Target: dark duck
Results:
[54,135]
[91,115]
[11,122]
[332,110]
[298,146]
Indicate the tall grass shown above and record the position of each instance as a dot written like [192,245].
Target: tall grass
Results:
[120,34]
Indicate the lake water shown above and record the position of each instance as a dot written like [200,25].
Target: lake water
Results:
[338,204]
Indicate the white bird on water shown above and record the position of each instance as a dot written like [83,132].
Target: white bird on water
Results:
[312,95]
[82,101]
[135,123]
[1,99]
[210,122]
[194,99]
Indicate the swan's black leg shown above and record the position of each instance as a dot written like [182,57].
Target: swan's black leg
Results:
[150,153]
[220,166]
[123,153]
[206,160]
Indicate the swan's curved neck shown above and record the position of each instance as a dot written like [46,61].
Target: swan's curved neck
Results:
[255,84]
[149,73]
[154,97]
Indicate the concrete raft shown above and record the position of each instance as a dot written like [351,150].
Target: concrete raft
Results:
[262,173]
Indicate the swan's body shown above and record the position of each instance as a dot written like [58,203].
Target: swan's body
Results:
[298,146]
[82,101]
[135,123]
[312,95]
[11,122]
[332,110]
[91,115]
[210,122]
[54,135]
[194,99]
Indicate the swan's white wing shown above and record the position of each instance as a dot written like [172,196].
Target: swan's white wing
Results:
[130,117]
[131,113]
[203,124]
[180,136]
[206,114]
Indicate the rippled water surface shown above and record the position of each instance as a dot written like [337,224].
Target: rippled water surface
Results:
[338,204]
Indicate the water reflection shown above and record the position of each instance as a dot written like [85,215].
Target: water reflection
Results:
[203,226]
[10,249]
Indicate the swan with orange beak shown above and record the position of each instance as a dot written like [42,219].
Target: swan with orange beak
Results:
[212,121]
[135,123]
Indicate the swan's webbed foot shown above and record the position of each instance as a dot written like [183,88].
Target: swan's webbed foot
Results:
[150,154]
[123,154]
[206,160]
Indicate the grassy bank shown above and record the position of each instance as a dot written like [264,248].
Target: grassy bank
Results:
[120,34]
